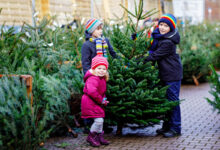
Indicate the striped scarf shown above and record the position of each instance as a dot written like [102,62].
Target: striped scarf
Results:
[155,37]
[101,46]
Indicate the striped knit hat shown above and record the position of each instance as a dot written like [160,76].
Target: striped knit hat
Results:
[99,60]
[92,24]
[170,20]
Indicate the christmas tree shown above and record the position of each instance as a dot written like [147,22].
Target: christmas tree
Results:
[214,79]
[134,92]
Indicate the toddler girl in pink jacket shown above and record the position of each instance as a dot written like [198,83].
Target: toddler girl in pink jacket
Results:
[94,99]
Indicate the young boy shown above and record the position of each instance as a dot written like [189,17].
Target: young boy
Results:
[95,44]
[165,39]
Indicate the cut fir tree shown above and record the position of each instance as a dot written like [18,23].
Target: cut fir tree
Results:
[214,79]
[134,92]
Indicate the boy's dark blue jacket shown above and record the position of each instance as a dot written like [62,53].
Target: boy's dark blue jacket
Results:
[169,63]
[88,51]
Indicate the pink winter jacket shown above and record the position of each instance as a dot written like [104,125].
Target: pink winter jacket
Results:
[94,92]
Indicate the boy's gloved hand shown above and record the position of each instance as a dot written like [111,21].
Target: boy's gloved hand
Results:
[105,102]
[134,36]
[150,52]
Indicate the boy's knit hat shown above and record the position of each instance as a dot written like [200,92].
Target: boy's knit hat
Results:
[170,20]
[99,60]
[92,24]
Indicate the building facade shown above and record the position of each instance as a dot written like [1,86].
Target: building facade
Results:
[16,12]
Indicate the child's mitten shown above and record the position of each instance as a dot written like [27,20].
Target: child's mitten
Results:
[104,101]
[134,36]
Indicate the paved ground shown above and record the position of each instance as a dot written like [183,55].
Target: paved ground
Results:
[200,129]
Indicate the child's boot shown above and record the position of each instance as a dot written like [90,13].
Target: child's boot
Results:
[102,140]
[92,139]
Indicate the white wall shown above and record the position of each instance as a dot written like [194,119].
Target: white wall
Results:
[189,9]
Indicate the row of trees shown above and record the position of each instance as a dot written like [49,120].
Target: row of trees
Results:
[199,47]
[40,52]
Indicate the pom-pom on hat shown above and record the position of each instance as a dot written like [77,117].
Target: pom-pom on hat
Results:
[170,20]
[99,60]
[92,24]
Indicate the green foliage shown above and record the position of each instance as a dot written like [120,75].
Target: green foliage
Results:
[20,128]
[135,94]
[134,91]
[11,52]
[57,90]
[214,79]
[39,51]
[215,55]
[138,15]
[48,46]
[127,47]
[198,50]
